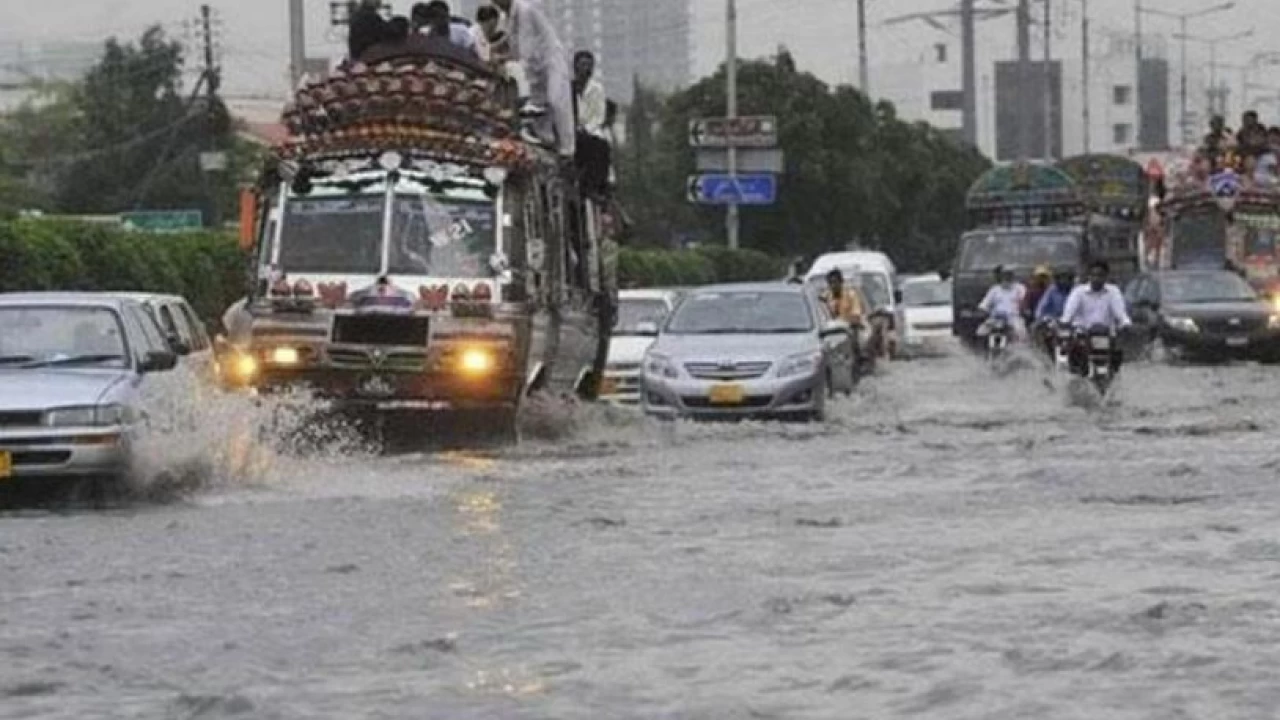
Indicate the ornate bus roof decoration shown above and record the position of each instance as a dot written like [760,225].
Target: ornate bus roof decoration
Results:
[1023,194]
[1110,185]
[419,105]
[1225,190]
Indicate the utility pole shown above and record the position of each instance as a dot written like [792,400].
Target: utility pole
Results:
[969,80]
[864,82]
[1182,18]
[213,80]
[297,41]
[1024,75]
[1184,120]
[731,71]
[1048,84]
[1139,123]
[1084,74]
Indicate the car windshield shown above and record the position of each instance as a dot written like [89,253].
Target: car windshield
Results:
[927,293]
[442,236]
[985,251]
[1206,288]
[332,235]
[741,312]
[33,336]
[634,312]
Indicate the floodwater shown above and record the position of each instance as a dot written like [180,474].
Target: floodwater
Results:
[950,545]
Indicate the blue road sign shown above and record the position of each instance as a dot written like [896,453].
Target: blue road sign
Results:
[758,189]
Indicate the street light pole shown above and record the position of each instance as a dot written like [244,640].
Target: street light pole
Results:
[1084,71]
[1213,42]
[1182,19]
[1139,124]
[1048,83]
[864,82]
[731,72]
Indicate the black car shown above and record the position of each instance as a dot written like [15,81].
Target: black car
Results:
[1209,314]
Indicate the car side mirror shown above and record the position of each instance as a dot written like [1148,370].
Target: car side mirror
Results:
[178,346]
[647,329]
[897,297]
[158,362]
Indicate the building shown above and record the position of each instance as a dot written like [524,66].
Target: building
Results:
[648,40]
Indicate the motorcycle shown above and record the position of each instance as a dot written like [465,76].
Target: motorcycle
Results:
[1097,344]
[1057,340]
[1000,330]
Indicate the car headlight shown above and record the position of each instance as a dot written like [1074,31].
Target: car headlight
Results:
[660,365]
[1184,324]
[1273,323]
[87,416]
[803,364]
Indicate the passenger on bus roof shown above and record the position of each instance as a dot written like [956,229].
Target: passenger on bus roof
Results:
[1252,138]
[534,43]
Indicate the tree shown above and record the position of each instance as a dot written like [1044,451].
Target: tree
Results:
[855,172]
[127,136]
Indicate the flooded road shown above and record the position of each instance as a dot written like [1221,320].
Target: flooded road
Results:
[950,546]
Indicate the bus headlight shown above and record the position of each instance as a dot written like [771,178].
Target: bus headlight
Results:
[284,356]
[476,361]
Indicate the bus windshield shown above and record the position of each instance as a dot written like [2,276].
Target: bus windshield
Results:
[981,252]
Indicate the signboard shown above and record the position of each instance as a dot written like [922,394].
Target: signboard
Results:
[213,161]
[163,220]
[750,160]
[758,131]
[739,190]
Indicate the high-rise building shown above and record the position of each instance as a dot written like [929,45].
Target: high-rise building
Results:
[645,39]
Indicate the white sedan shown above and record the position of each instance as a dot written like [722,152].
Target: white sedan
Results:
[640,314]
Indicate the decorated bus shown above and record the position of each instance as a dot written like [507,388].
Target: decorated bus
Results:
[413,252]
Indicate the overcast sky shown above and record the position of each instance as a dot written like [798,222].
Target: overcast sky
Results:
[821,33]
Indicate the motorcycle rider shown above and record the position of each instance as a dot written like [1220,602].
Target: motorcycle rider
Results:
[1041,281]
[1097,304]
[843,303]
[1050,307]
[1004,301]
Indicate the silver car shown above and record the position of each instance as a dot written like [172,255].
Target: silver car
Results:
[71,369]
[752,350]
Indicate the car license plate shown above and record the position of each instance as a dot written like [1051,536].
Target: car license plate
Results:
[728,394]
[608,386]
[6,465]
[1101,343]
[1237,341]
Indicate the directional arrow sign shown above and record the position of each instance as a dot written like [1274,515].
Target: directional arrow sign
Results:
[727,190]
[758,131]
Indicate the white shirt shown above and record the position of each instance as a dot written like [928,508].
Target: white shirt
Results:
[1001,300]
[592,109]
[1086,307]
[480,43]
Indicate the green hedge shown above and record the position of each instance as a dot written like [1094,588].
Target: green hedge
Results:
[205,267]
[703,266]
[208,268]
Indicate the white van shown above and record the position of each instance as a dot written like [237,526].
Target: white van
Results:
[871,271]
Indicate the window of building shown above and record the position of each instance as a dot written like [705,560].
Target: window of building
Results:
[1122,94]
[940,49]
[1122,133]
